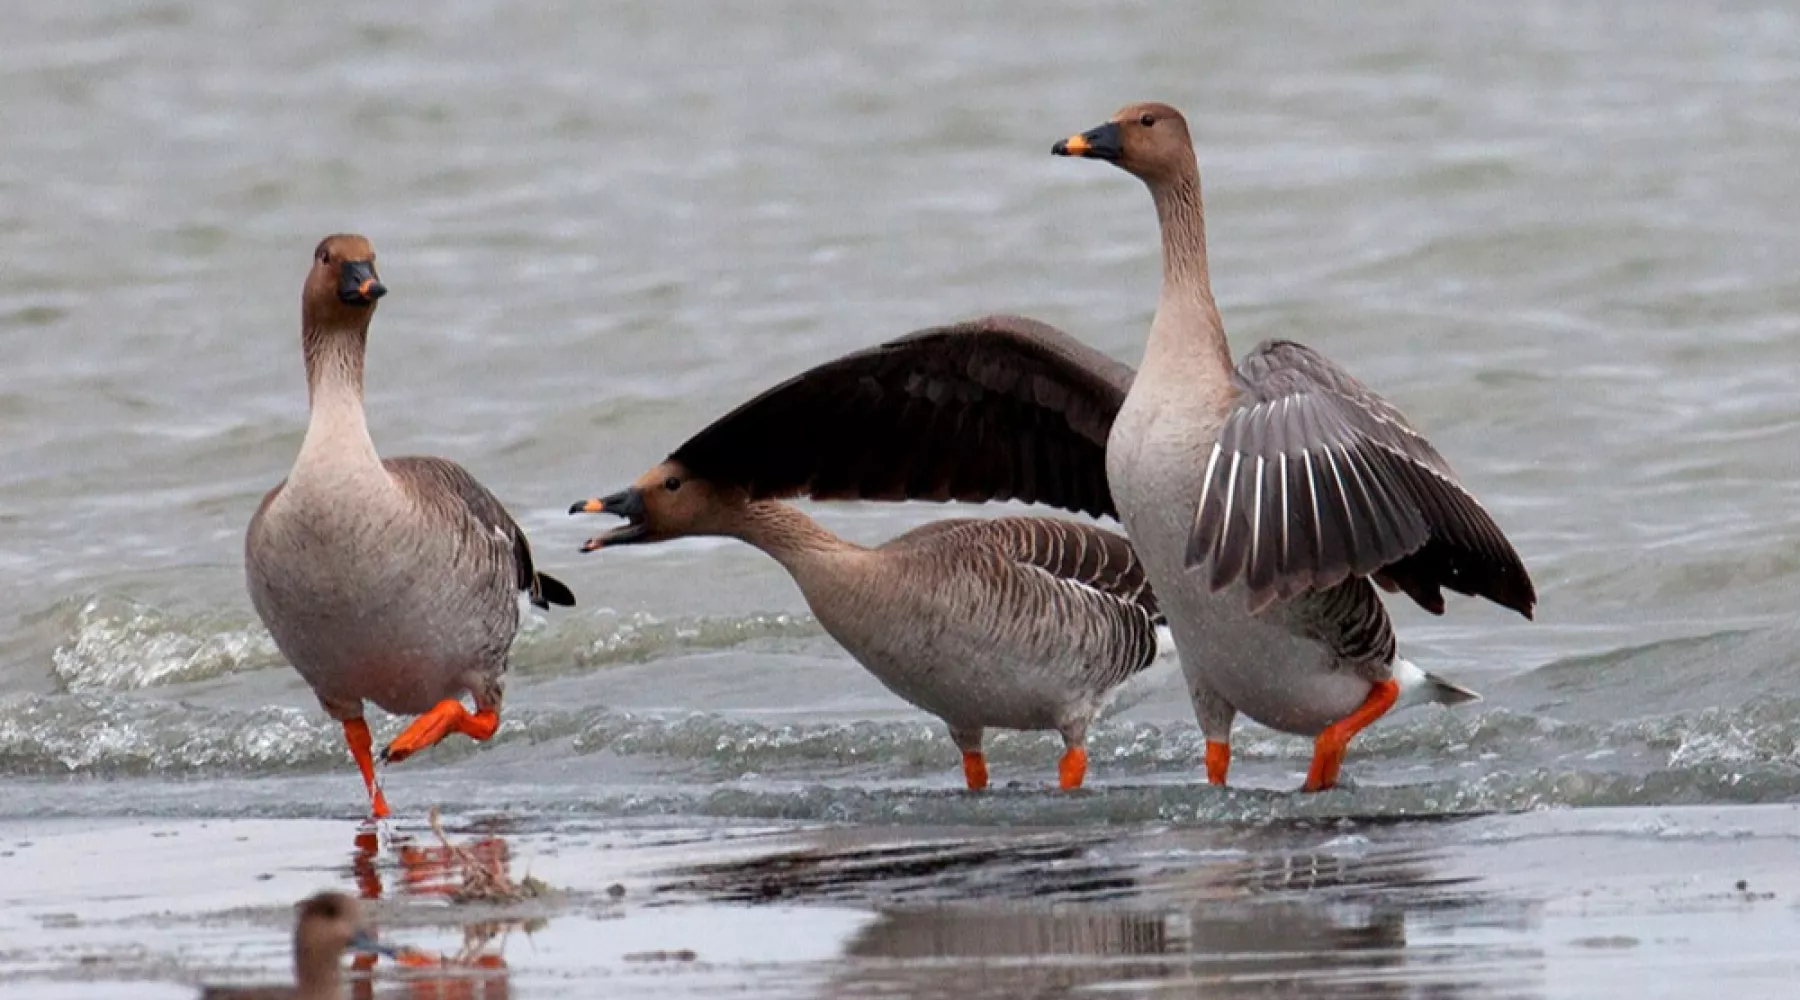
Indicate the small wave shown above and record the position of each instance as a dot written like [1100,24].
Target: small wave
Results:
[115,644]
[117,736]
[608,638]
[1430,762]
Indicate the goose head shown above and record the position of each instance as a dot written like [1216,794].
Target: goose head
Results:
[1149,140]
[664,503]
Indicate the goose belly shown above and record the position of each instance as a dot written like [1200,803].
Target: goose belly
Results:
[1258,663]
[372,614]
[969,662]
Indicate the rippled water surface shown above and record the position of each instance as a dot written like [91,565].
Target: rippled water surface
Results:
[1562,237]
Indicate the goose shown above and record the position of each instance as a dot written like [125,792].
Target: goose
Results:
[394,581]
[1269,500]
[1025,623]
[325,926]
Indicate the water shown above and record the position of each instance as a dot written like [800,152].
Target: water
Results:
[1561,237]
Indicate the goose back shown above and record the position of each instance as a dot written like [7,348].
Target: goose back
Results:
[1033,611]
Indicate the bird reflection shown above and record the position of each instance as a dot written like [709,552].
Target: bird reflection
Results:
[477,869]
[1193,913]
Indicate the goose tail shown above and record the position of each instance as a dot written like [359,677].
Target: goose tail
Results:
[1421,687]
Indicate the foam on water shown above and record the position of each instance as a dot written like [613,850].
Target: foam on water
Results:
[109,642]
[1429,761]
[138,694]
[117,644]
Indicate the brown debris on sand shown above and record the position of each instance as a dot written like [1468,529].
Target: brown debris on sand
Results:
[484,879]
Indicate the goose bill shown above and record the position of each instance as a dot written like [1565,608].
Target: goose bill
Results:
[1102,143]
[628,504]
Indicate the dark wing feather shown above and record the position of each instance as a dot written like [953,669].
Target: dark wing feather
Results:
[441,477]
[1315,479]
[998,408]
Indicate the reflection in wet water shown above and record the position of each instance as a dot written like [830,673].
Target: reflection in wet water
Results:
[1200,915]
[448,870]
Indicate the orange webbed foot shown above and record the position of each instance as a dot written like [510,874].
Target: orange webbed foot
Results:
[1329,748]
[446,717]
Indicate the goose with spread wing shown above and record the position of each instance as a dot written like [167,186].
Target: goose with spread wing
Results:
[1027,623]
[1270,499]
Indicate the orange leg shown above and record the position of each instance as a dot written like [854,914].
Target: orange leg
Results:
[356,733]
[975,770]
[1073,768]
[1218,761]
[446,717]
[1328,749]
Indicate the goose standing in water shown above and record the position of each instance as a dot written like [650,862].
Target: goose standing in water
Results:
[1269,498]
[1012,623]
[394,581]
[325,926]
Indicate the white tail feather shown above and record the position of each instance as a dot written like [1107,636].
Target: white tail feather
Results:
[1419,687]
[1165,642]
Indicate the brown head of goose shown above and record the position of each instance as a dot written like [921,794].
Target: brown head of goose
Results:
[1268,499]
[394,581]
[1024,623]
[325,926]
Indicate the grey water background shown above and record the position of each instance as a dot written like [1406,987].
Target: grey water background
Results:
[1563,237]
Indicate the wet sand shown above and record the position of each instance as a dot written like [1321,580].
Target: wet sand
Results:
[1644,903]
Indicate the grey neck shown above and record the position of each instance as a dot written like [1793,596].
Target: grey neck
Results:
[337,433]
[316,972]
[785,533]
[334,362]
[1188,332]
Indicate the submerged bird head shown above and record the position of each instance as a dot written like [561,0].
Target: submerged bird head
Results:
[666,502]
[1149,140]
[327,924]
[343,285]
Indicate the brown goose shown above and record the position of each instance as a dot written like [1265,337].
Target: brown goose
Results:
[325,926]
[394,581]
[1269,498]
[1014,623]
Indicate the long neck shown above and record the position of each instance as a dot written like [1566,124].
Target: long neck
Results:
[334,387]
[785,533]
[316,973]
[1187,332]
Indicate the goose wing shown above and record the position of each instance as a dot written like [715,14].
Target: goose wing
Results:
[1314,478]
[1076,551]
[997,408]
[443,485]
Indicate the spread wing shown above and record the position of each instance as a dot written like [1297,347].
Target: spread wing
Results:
[1315,478]
[997,408]
[447,486]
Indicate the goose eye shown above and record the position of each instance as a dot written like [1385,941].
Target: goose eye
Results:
[1146,119]
[672,484]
